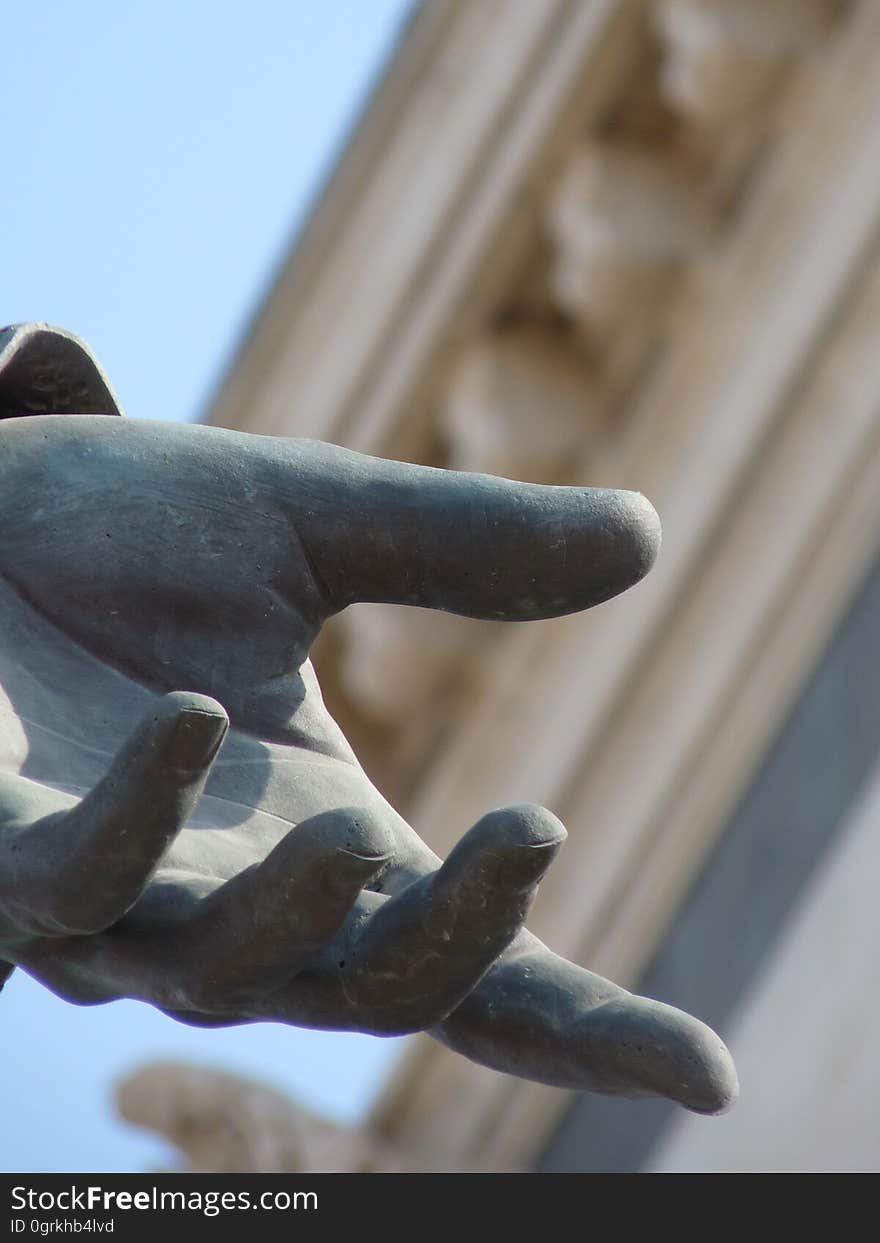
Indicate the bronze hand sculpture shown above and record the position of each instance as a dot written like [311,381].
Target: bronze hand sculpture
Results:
[233,863]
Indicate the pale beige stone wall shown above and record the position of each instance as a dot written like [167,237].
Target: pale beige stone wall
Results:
[624,242]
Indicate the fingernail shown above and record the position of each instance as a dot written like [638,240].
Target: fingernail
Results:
[348,870]
[195,739]
[523,866]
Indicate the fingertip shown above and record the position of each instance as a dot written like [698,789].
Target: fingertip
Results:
[719,1090]
[192,727]
[523,824]
[346,873]
[357,833]
[177,703]
[340,850]
[704,1078]
[620,542]
[639,532]
[661,1050]
[511,847]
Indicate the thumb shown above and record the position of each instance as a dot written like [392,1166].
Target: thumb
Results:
[471,544]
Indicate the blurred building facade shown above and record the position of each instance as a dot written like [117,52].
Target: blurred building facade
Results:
[628,243]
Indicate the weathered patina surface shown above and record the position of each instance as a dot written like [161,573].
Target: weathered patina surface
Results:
[182,822]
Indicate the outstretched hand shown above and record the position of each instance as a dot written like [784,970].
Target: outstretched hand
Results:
[182,822]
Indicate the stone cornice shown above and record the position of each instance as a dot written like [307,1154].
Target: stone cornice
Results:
[649,220]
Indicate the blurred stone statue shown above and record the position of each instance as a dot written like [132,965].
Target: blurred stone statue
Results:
[228,1124]
[182,822]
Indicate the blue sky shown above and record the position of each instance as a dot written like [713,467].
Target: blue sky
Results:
[159,159]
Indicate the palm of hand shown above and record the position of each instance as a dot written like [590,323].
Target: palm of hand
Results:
[294,892]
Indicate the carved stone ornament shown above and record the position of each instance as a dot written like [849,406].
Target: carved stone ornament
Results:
[620,220]
[722,54]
